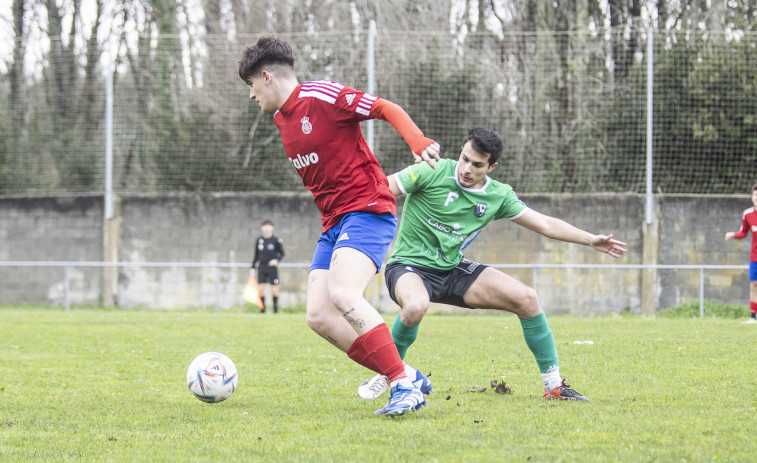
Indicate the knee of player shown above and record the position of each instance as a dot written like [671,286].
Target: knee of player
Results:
[315,321]
[343,297]
[529,301]
[413,311]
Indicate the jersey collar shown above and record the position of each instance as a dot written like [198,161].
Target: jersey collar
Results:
[290,101]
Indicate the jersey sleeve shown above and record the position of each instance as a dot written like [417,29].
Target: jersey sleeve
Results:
[415,177]
[402,123]
[512,207]
[744,230]
[280,250]
[338,101]
[350,105]
[256,257]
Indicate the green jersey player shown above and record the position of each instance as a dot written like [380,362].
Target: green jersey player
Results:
[445,209]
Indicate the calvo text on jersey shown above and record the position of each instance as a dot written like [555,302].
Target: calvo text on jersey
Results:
[303,161]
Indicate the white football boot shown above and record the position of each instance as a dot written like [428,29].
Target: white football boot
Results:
[373,388]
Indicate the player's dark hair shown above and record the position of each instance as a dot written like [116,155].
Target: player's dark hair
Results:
[754,187]
[485,141]
[266,222]
[268,51]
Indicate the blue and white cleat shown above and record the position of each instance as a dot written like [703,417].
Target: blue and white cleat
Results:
[402,400]
[375,387]
[419,379]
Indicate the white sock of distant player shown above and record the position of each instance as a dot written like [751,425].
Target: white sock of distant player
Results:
[552,378]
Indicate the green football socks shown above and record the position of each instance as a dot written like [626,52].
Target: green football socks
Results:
[404,335]
[540,340]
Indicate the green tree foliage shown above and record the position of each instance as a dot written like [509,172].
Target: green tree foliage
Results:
[704,123]
[566,93]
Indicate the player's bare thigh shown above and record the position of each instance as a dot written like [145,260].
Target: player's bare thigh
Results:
[499,291]
[322,316]
[350,274]
[413,298]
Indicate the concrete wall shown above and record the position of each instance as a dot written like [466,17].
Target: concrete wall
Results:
[692,231]
[50,228]
[209,228]
[221,228]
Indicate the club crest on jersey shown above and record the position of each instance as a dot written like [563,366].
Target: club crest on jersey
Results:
[480,209]
[307,127]
[350,97]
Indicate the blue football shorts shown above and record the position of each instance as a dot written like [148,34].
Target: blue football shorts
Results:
[368,233]
[752,271]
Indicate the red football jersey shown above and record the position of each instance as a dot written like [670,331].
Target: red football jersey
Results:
[320,129]
[749,222]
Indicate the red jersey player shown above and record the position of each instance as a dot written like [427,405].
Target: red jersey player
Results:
[749,222]
[319,123]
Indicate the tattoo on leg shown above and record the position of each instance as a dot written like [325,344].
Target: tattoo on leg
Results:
[331,340]
[356,322]
[312,280]
[333,257]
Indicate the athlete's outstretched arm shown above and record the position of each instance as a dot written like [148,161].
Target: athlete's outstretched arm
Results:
[743,231]
[393,186]
[558,229]
[425,148]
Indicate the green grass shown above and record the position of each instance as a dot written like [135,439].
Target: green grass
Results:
[108,385]
[712,309]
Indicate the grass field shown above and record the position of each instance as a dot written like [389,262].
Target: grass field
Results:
[109,385]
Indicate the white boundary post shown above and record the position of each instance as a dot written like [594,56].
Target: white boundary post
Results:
[701,292]
[371,70]
[218,287]
[109,144]
[67,287]
[650,84]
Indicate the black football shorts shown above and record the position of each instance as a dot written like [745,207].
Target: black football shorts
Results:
[443,286]
[268,274]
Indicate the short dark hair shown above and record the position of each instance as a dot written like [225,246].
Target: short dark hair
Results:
[266,222]
[268,51]
[485,141]
[754,187]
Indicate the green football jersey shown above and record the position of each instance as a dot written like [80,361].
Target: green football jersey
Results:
[441,217]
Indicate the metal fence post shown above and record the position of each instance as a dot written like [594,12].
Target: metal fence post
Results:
[218,288]
[701,292]
[371,71]
[67,286]
[649,213]
[533,277]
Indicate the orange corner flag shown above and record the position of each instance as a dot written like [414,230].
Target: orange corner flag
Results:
[251,293]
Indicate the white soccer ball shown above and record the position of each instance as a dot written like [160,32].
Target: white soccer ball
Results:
[212,377]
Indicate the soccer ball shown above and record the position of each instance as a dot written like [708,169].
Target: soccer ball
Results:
[212,377]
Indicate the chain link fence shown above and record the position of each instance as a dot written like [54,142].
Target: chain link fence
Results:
[571,108]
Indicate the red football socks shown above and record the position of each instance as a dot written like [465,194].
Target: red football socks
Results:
[376,351]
